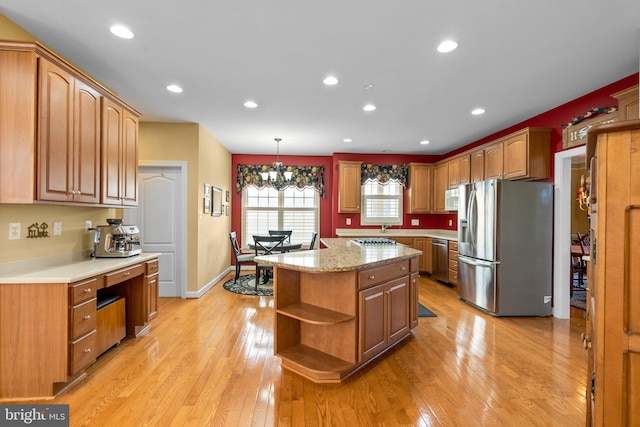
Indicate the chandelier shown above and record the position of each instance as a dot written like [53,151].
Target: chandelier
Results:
[277,167]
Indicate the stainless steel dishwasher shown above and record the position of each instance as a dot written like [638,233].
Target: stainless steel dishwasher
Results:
[440,255]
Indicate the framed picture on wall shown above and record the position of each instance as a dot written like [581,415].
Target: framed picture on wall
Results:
[207,189]
[216,201]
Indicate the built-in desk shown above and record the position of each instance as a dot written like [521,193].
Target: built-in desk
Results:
[48,328]
[339,308]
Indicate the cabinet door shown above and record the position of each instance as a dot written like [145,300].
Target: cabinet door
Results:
[454,173]
[418,244]
[516,156]
[493,167]
[55,141]
[465,169]
[477,166]
[373,322]
[428,255]
[112,120]
[86,147]
[130,159]
[152,296]
[440,184]
[414,288]
[419,190]
[349,187]
[398,296]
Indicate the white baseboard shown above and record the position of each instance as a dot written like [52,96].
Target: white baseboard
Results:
[215,280]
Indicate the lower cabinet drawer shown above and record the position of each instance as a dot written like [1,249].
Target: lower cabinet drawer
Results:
[382,274]
[83,319]
[453,277]
[82,352]
[453,264]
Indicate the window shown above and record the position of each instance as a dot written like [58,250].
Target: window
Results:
[289,209]
[381,204]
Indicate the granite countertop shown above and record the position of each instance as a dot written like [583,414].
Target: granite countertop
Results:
[65,269]
[341,254]
[390,233]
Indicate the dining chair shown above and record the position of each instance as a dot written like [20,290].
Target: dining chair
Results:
[286,233]
[240,258]
[314,235]
[266,245]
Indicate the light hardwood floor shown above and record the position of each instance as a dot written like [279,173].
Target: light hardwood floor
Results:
[210,362]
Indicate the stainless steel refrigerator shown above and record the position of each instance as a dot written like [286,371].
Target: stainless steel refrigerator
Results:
[505,247]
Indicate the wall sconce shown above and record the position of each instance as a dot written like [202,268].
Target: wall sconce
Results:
[277,165]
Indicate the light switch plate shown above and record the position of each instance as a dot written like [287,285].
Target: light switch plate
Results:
[348,221]
[57,228]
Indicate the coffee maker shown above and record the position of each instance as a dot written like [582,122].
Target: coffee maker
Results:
[116,240]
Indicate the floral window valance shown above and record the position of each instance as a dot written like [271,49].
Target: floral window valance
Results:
[302,177]
[384,173]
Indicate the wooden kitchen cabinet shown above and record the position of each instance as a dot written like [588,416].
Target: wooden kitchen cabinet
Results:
[493,166]
[384,316]
[613,344]
[51,144]
[349,186]
[68,137]
[453,262]
[459,171]
[414,293]
[82,323]
[419,189]
[527,154]
[119,154]
[627,103]
[151,283]
[477,166]
[440,185]
[424,260]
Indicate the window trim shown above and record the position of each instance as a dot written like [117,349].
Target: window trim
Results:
[367,220]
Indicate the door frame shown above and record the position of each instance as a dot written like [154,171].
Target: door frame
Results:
[563,196]
[181,257]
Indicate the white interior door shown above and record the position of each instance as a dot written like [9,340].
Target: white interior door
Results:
[161,219]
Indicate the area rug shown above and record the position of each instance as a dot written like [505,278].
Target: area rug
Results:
[246,286]
[425,312]
[579,299]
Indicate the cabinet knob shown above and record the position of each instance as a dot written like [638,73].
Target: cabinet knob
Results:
[403,268]
[87,350]
[87,317]
[372,277]
[87,291]
[413,280]
[127,273]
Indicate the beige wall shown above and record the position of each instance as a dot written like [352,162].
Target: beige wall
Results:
[208,254]
[10,31]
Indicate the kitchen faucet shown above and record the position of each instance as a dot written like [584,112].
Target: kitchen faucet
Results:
[384,227]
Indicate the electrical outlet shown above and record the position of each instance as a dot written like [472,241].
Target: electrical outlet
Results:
[450,223]
[415,222]
[547,299]
[14,231]
[87,225]
[348,221]
[57,228]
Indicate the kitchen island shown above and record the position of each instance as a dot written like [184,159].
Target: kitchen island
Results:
[339,308]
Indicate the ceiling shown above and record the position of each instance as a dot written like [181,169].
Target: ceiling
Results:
[515,59]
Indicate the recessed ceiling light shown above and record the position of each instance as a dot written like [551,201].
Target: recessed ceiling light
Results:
[121,31]
[369,107]
[368,86]
[447,46]
[174,88]
[250,104]
[347,140]
[478,111]
[424,142]
[330,81]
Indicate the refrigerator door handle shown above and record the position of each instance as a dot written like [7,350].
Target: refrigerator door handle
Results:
[473,226]
[475,261]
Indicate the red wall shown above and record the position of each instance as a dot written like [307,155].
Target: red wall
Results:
[330,219]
